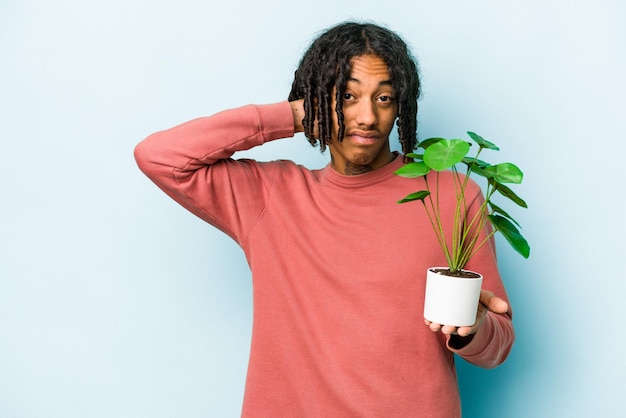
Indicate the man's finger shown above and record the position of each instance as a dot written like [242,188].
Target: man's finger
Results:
[492,302]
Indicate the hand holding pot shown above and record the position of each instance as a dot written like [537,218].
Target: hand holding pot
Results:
[488,302]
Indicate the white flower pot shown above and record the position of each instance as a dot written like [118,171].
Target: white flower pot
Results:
[451,300]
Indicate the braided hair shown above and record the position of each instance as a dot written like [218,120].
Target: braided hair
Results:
[327,64]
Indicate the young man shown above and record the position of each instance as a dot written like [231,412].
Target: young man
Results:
[338,266]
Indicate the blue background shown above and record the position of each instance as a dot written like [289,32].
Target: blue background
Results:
[115,302]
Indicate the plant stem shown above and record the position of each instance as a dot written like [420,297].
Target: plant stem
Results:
[435,221]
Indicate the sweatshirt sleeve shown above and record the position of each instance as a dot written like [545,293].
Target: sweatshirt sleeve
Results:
[192,163]
[491,344]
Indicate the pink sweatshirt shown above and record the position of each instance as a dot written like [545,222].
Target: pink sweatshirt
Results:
[338,273]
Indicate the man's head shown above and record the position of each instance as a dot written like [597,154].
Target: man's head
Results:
[325,71]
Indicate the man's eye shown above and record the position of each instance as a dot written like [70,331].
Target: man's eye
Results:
[385,98]
[347,96]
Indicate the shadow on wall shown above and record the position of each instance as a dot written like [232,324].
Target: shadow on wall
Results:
[505,390]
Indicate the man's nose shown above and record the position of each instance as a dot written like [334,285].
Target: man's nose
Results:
[366,115]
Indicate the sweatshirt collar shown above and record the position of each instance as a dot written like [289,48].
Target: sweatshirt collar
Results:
[361,180]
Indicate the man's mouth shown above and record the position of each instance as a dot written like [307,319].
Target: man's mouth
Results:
[363,138]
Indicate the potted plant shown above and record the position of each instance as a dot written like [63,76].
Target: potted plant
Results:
[445,285]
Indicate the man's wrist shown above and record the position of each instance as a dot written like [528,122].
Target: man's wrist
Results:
[297,108]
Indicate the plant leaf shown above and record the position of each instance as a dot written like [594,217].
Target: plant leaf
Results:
[512,235]
[428,142]
[497,209]
[413,170]
[475,161]
[421,195]
[505,173]
[414,155]
[478,170]
[509,194]
[482,142]
[445,153]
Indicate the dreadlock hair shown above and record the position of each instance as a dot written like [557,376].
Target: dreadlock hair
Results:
[327,64]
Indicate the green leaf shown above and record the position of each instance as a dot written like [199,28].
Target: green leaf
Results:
[478,170]
[475,161]
[512,235]
[421,195]
[509,194]
[413,170]
[428,142]
[414,155]
[497,209]
[446,153]
[482,142]
[505,173]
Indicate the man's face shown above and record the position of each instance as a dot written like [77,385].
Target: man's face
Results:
[370,110]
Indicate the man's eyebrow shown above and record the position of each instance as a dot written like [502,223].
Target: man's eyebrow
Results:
[382,83]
